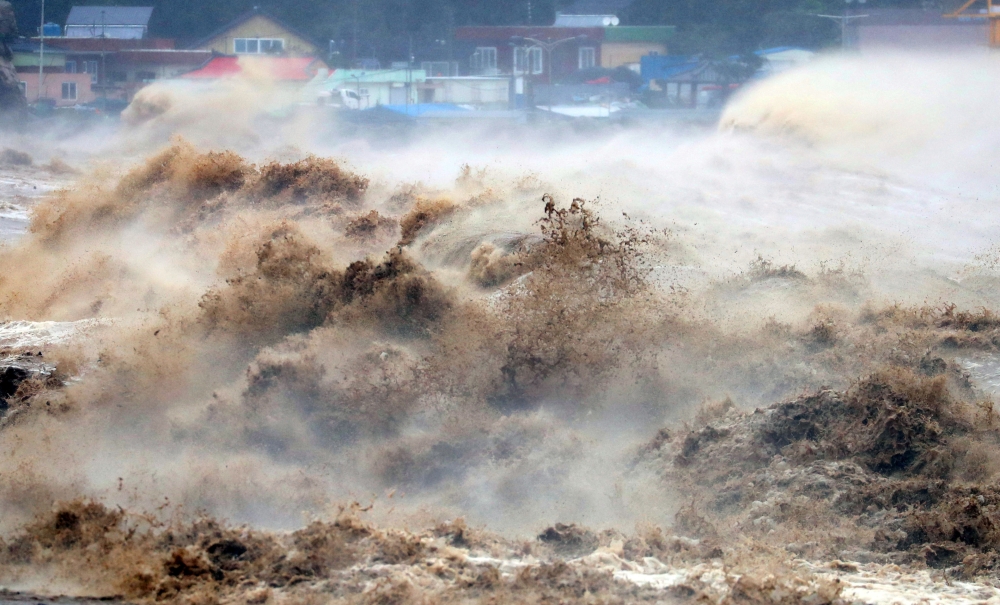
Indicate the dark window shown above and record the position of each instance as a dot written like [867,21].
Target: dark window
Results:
[90,67]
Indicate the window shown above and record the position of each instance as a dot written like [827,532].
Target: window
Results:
[272,46]
[90,67]
[71,67]
[588,57]
[255,46]
[535,56]
[69,91]
[528,60]
[484,60]
[24,87]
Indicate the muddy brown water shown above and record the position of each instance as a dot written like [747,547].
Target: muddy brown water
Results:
[27,599]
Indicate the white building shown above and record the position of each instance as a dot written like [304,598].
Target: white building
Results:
[481,91]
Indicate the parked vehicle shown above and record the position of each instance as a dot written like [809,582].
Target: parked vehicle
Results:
[341,98]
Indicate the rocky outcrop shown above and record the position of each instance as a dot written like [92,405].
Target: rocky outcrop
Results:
[11,97]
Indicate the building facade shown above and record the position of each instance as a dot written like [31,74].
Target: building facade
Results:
[63,89]
[258,33]
[105,53]
[379,87]
[916,29]
[626,46]
[478,91]
[544,54]
[118,67]
[493,51]
[56,83]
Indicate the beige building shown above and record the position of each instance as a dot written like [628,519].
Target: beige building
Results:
[617,54]
[626,46]
[257,33]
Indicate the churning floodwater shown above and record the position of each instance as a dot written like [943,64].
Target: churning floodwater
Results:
[274,359]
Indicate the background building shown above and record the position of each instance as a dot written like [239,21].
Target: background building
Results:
[379,87]
[915,29]
[63,88]
[579,44]
[258,33]
[125,22]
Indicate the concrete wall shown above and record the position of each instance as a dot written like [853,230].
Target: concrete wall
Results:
[260,26]
[53,88]
[616,54]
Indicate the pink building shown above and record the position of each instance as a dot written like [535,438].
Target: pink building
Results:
[66,89]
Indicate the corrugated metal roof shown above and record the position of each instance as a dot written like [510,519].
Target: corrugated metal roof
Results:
[122,32]
[109,15]
[650,33]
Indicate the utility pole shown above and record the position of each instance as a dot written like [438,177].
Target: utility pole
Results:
[41,55]
[409,74]
[548,47]
[354,42]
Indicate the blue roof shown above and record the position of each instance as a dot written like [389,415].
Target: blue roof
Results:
[770,51]
[664,67]
[777,49]
[423,109]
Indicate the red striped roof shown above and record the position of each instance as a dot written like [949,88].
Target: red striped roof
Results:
[293,69]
